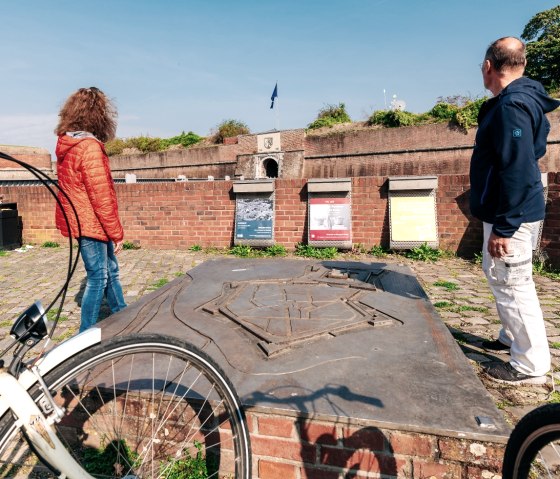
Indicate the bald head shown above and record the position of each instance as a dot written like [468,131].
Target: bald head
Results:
[507,54]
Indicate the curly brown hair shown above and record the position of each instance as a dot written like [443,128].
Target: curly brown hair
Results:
[88,109]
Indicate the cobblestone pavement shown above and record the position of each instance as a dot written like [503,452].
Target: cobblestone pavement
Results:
[456,287]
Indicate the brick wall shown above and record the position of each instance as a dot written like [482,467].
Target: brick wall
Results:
[296,448]
[38,157]
[180,215]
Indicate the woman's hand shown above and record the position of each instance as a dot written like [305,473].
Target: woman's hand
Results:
[118,246]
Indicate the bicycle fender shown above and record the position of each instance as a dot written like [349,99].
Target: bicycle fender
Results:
[56,356]
[67,349]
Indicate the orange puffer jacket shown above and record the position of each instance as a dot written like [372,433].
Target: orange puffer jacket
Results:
[84,175]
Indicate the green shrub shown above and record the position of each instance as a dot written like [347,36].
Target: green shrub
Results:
[147,144]
[195,247]
[229,128]
[330,115]
[396,118]
[115,147]
[467,116]
[184,139]
[443,111]
[50,244]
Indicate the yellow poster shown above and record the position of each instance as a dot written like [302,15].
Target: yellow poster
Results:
[413,218]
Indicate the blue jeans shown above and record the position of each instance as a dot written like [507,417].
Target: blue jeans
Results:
[102,271]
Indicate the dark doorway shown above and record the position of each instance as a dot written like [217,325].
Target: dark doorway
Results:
[271,168]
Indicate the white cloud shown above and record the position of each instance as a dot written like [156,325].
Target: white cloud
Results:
[29,130]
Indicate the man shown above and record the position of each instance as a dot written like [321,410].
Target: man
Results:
[507,195]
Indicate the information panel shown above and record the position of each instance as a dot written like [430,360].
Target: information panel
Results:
[413,219]
[329,219]
[253,218]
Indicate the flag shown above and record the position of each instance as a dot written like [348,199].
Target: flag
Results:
[274,95]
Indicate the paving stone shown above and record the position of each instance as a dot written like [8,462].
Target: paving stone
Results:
[479,358]
[475,320]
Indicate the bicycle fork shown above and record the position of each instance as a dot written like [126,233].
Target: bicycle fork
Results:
[37,426]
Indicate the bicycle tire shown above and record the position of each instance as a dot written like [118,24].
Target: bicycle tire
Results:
[533,449]
[147,406]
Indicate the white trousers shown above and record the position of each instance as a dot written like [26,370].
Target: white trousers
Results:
[511,281]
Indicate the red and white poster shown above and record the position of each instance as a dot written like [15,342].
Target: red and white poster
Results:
[329,219]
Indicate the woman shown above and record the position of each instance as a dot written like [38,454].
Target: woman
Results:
[86,121]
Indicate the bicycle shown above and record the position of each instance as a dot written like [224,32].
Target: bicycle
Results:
[134,406]
[533,449]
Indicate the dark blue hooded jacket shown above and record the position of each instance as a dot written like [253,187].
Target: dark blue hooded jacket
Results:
[506,187]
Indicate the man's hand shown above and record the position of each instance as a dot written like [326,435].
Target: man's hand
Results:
[118,246]
[497,246]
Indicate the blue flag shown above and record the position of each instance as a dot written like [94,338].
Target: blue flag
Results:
[274,95]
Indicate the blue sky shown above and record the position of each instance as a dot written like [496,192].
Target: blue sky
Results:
[175,66]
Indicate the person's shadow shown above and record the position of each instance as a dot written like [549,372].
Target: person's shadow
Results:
[471,241]
[104,311]
[354,449]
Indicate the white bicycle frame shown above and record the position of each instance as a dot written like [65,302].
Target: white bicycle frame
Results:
[14,395]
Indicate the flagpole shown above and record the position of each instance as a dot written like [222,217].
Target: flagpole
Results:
[277,115]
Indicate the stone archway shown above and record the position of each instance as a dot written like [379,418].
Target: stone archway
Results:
[270,166]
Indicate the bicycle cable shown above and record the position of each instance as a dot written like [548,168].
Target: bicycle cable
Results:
[47,181]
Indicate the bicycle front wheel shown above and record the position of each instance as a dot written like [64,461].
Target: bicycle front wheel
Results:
[147,406]
[533,449]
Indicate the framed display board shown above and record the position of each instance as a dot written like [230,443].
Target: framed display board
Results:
[413,212]
[254,218]
[330,212]
[329,219]
[254,213]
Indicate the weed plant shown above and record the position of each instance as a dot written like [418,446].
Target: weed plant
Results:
[190,467]
[378,251]
[460,111]
[229,128]
[103,462]
[50,244]
[148,144]
[424,253]
[246,251]
[329,116]
[448,285]
[130,245]
[158,284]
[308,251]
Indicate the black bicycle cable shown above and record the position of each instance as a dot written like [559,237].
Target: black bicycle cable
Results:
[47,181]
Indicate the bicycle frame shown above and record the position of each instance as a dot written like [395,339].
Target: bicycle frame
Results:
[30,417]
